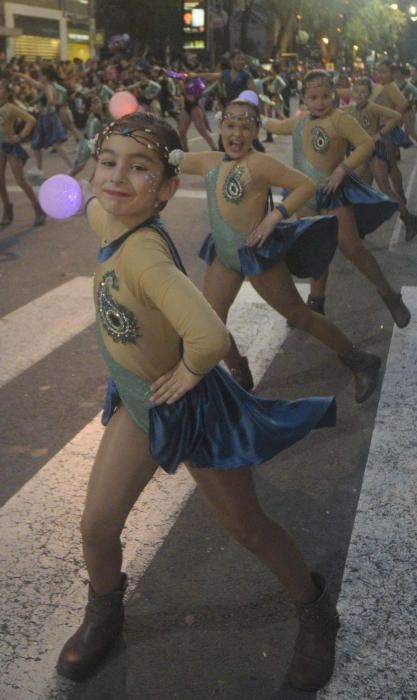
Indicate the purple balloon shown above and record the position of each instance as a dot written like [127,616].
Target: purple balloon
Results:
[249,96]
[60,196]
[195,87]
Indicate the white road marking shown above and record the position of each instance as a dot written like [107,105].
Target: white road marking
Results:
[31,332]
[396,232]
[377,644]
[42,574]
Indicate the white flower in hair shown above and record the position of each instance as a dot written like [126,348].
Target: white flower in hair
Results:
[92,144]
[218,116]
[175,157]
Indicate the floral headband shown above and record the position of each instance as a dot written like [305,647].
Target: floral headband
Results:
[145,137]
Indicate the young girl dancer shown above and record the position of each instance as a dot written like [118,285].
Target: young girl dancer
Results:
[12,152]
[193,111]
[241,243]
[387,93]
[161,341]
[378,121]
[320,140]
[48,130]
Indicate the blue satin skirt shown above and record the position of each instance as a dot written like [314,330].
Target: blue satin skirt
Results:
[398,136]
[371,207]
[381,153]
[14,149]
[306,245]
[220,425]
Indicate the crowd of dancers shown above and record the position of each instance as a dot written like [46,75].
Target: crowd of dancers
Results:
[168,401]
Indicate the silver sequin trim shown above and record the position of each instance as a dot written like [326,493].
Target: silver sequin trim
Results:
[233,187]
[320,139]
[118,321]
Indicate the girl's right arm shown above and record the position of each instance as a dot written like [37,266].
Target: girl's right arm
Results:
[199,163]
[280,126]
[389,117]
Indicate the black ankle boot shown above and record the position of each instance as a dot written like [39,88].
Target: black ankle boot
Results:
[316,304]
[40,216]
[313,661]
[410,223]
[365,368]
[398,310]
[242,374]
[102,624]
[7,215]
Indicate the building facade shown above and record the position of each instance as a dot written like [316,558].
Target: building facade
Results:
[54,29]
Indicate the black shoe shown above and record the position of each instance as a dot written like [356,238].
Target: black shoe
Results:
[398,310]
[410,223]
[365,369]
[242,374]
[40,217]
[314,653]
[7,215]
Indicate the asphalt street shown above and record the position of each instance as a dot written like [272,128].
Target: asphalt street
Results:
[204,619]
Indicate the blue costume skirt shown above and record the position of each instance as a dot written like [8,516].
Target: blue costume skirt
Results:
[307,246]
[14,149]
[220,425]
[371,207]
[381,153]
[48,130]
[398,136]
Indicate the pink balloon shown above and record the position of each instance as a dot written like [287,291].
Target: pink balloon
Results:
[60,196]
[123,103]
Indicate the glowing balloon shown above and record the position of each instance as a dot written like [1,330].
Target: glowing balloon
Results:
[123,103]
[174,74]
[60,196]
[249,96]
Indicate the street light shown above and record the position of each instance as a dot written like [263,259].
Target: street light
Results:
[394,6]
[325,40]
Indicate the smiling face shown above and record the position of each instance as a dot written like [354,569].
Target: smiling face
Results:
[318,97]
[360,95]
[129,179]
[384,73]
[238,130]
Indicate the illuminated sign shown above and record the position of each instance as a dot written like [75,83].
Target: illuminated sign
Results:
[194,21]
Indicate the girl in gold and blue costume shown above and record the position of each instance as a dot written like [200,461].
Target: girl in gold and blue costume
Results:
[321,138]
[247,241]
[169,402]
[378,121]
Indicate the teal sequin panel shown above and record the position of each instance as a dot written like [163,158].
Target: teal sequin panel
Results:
[118,321]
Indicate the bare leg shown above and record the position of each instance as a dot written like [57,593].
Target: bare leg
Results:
[354,250]
[220,287]
[68,123]
[198,119]
[4,195]
[379,169]
[183,124]
[410,124]
[395,175]
[276,286]
[122,468]
[17,166]
[37,154]
[232,496]
[64,155]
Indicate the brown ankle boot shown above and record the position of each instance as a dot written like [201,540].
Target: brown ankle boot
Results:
[7,215]
[102,624]
[313,661]
[242,374]
[365,369]
[398,310]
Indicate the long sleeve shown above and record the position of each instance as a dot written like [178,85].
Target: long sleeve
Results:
[14,113]
[349,129]
[280,126]
[151,274]
[389,117]
[301,188]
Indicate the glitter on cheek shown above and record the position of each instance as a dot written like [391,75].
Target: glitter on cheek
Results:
[152,178]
